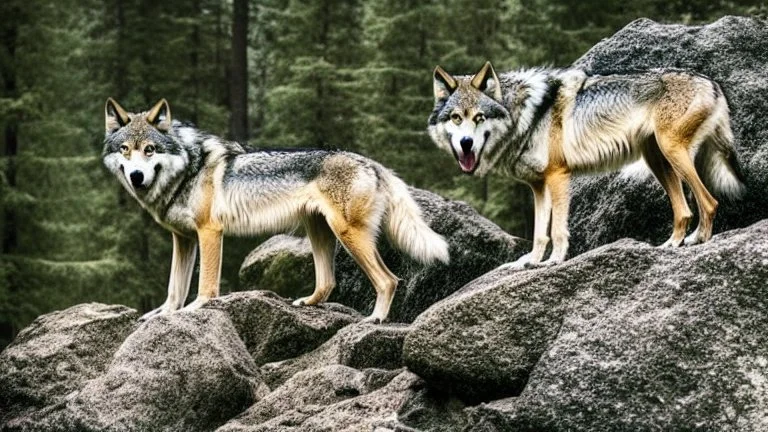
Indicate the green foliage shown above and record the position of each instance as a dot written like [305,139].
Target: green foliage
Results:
[308,81]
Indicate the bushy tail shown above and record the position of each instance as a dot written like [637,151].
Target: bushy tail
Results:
[405,226]
[717,164]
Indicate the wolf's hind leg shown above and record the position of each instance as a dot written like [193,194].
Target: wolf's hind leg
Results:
[673,186]
[182,265]
[675,151]
[323,245]
[361,244]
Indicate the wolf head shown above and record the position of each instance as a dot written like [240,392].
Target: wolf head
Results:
[469,119]
[140,149]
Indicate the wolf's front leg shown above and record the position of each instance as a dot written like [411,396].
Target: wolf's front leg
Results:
[558,185]
[211,243]
[542,208]
[182,265]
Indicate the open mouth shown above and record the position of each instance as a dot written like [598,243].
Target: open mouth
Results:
[468,162]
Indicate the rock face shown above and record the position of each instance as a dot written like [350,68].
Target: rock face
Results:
[282,264]
[95,368]
[476,247]
[339,398]
[359,346]
[625,337]
[186,371]
[731,51]
[274,330]
[58,353]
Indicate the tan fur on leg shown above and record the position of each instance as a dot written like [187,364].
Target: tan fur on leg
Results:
[672,184]
[558,184]
[677,125]
[210,266]
[707,205]
[361,245]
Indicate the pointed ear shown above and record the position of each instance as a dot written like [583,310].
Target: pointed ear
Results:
[444,83]
[487,82]
[115,116]
[160,116]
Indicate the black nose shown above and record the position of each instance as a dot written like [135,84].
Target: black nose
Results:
[137,178]
[466,144]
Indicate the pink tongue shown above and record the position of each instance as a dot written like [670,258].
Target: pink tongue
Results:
[467,162]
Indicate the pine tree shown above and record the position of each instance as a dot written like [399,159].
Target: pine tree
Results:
[315,48]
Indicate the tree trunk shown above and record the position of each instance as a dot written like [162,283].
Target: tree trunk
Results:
[120,73]
[195,61]
[10,33]
[238,83]
[9,150]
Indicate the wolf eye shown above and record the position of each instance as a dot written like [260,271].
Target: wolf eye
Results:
[456,118]
[479,118]
[124,148]
[149,150]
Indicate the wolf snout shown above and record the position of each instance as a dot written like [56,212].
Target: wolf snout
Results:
[137,178]
[466,144]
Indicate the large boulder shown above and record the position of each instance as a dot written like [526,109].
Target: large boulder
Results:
[732,51]
[476,247]
[625,337]
[340,398]
[58,353]
[359,346]
[272,329]
[181,372]
[282,264]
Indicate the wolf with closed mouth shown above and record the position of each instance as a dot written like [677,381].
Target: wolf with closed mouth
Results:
[201,187]
[542,126]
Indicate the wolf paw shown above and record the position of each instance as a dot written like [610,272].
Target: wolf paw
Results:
[512,266]
[304,301]
[195,305]
[372,320]
[548,263]
[153,313]
[520,264]
[671,243]
[694,238]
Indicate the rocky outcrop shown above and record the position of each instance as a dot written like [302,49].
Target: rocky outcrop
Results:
[732,52]
[476,247]
[339,398]
[95,368]
[191,371]
[186,371]
[272,329]
[625,337]
[58,353]
[359,346]
[282,264]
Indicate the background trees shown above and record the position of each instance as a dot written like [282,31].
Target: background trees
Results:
[312,73]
